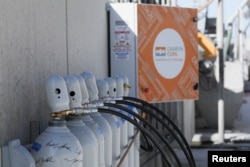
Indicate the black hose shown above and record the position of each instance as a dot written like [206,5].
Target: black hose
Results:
[135,101]
[135,123]
[149,125]
[164,124]
[149,147]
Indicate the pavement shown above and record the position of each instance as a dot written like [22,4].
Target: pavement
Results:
[206,140]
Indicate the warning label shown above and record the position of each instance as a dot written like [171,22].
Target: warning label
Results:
[122,45]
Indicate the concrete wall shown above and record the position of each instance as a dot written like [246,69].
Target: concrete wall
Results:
[38,39]
[87,36]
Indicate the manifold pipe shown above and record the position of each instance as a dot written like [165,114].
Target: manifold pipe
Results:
[182,145]
[144,103]
[147,124]
[135,123]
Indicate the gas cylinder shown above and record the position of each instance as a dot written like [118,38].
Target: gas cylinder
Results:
[103,91]
[87,139]
[98,118]
[125,92]
[57,146]
[74,91]
[84,91]
[90,122]
[99,135]
[124,124]
[107,132]
[84,134]
[136,156]
[112,87]
[91,85]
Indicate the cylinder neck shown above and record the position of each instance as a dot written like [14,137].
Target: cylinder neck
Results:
[57,123]
[74,120]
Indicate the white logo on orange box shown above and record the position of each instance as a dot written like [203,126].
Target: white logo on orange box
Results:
[169,53]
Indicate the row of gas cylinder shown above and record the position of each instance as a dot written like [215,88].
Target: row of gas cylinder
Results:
[93,125]
[79,135]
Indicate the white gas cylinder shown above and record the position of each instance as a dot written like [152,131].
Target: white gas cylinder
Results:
[99,135]
[87,139]
[119,86]
[98,118]
[57,147]
[84,91]
[124,140]
[103,88]
[78,128]
[124,124]
[134,156]
[112,87]
[88,120]
[74,91]
[57,95]
[113,121]
[107,132]
[124,129]
[91,85]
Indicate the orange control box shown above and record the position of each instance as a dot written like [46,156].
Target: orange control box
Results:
[157,48]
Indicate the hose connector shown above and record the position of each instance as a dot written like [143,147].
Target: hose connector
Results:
[74,111]
[127,86]
[60,114]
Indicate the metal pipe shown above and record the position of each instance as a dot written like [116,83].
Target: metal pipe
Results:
[220,35]
[234,16]
[240,35]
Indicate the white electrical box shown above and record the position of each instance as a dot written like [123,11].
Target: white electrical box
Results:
[156,47]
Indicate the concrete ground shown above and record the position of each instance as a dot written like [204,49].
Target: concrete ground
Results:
[205,141]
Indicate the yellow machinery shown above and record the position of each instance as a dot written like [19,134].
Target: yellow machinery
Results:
[210,51]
